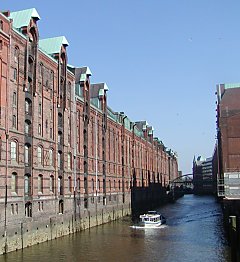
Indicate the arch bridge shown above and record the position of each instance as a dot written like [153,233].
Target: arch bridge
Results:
[183,184]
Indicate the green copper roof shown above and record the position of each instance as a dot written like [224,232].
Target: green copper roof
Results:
[22,18]
[53,45]
[236,85]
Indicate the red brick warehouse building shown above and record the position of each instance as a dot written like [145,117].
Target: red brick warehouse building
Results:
[67,160]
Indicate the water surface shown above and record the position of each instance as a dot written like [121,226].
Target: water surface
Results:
[193,232]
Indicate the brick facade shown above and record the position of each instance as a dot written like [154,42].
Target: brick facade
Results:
[63,151]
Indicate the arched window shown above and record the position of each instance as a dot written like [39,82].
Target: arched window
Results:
[39,129]
[69,161]
[14,99]
[41,70]
[14,183]
[28,209]
[27,184]
[78,184]
[40,109]
[50,157]
[104,185]
[69,184]
[39,155]
[92,185]
[51,184]
[13,151]
[27,154]
[60,185]
[59,137]
[85,185]
[27,127]
[61,207]
[110,185]
[27,107]
[59,159]
[14,121]
[40,184]
[99,186]
[16,54]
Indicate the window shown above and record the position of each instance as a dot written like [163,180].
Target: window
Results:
[59,137]
[78,184]
[69,161]
[51,114]
[69,184]
[14,183]
[16,54]
[15,73]
[1,24]
[27,107]
[51,133]
[13,151]
[39,155]
[14,121]
[1,44]
[27,155]
[27,185]
[51,184]
[92,185]
[98,184]
[40,109]
[41,70]
[50,157]
[60,185]
[28,209]
[39,129]
[59,159]
[40,184]
[61,207]
[110,186]
[14,99]
[27,127]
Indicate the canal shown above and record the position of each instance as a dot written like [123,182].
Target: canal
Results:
[193,232]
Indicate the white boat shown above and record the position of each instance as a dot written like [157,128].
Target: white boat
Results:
[152,219]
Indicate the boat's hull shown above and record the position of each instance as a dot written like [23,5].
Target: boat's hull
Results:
[149,225]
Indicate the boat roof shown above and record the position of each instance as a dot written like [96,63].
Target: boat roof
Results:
[150,215]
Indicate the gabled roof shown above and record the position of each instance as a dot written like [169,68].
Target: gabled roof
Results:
[22,18]
[98,89]
[53,45]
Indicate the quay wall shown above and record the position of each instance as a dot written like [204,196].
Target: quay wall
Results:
[22,233]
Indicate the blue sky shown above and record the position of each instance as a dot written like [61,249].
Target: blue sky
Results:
[160,59]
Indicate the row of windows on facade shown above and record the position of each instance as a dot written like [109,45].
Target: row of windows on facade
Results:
[27,155]
[40,85]
[28,107]
[60,186]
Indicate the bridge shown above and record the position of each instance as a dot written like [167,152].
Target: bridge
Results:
[182,184]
